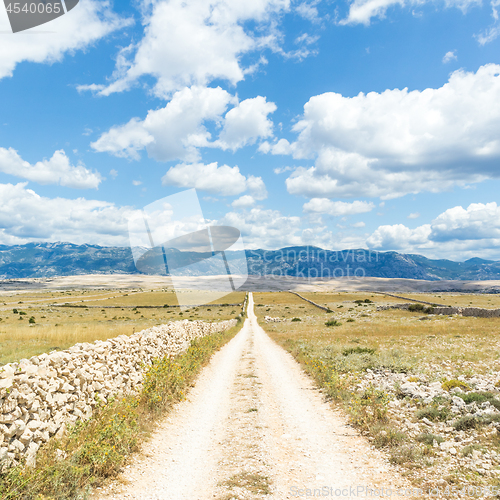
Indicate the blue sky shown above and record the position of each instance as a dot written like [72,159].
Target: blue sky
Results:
[365,124]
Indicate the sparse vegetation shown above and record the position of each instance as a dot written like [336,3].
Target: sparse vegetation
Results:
[420,308]
[333,322]
[480,397]
[434,413]
[448,385]
[254,483]
[429,439]
[466,422]
[346,351]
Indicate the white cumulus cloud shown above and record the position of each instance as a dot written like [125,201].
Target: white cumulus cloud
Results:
[450,56]
[244,201]
[456,233]
[179,130]
[477,221]
[247,122]
[398,237]
[337,208]
[268,229]
[256,187]
[223,180]
[26,216]
[55,170]
[90,21]
[193,42]
[362,11]
[173,132]
[397,142]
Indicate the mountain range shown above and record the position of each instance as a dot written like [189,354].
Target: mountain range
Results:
[35,260]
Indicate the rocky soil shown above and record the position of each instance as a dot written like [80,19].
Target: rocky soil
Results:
[463,434]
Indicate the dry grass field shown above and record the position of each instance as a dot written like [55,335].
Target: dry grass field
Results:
[488,301]
[424,387]
[32,323]
[461,340]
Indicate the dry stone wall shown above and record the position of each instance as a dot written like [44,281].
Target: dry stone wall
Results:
[477,312]
[310,301]
[40,396]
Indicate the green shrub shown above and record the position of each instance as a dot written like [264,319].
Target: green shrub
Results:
[467,422]
[428,438]
[480,397]
[467,450]
[15,311]
[403,455]
[448,385]
[333,322]
[491,418]
[350,320]
[415,307]
[433,413]
[32,320]
[420,308]
[296,319]
[387,436]
[369,408]
[357,350]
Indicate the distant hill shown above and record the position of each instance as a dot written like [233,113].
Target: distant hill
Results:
[35,260]
[312,261]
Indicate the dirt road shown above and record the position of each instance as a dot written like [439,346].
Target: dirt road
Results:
[254,426]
